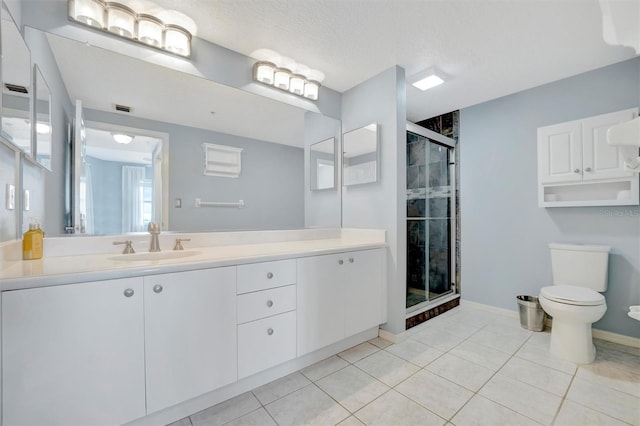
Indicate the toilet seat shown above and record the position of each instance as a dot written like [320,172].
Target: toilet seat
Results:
[572,295]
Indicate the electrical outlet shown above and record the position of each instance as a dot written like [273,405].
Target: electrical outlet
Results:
[11,197]
[27,201]
[178,203]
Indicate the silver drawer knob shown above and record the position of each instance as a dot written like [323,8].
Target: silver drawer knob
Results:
[340,262]
[351,260]
[576,171]
[128,292]
[157,288]
[270,275]
[269,303]
[270,331]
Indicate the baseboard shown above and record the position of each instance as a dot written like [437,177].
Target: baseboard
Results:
[621,339]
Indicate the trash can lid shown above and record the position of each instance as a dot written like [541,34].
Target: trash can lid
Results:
[572,295]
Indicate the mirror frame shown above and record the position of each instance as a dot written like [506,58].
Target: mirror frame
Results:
[376,168]
[314,187]
[37,74]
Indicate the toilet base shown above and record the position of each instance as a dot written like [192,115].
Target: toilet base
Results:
[572,342]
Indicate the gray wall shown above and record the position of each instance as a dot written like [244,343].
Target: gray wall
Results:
[504,249]
[382,204]
[7,177]
[271,182]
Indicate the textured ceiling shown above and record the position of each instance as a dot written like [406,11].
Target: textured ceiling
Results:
[488,48]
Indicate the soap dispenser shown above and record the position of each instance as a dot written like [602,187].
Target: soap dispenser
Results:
[32,242]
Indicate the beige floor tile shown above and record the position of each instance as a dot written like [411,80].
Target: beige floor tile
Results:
[475,317]
[281,387]
[415,352]
[260,417]
[356,353]
[465,373]
[480,411]
[307,406]
[505,343]
[181,422]
[615,353]
[481,355]
[438,338]
[542,356]
[226,411]
[457,328]
[352,387]
[387,368]
[609,401]
[509,327]
[435,393]
[603,344]
[324,368]
[351,421]
[542,339]
[537,375]
[522,398]
[380,342]
[572,414]
[395,409]
[611,374]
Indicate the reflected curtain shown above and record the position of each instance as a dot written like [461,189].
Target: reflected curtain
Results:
[132,198]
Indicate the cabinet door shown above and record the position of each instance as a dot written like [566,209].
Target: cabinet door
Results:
[320,302]
[560,153]
[602,161]
[190,340]
[73,354]
[363,290]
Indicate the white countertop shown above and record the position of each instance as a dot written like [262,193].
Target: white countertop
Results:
[57,270]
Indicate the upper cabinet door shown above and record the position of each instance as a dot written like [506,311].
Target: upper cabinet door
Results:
[602,161]
[560,153]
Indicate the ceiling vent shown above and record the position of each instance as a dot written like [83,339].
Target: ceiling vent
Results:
[123,108]
[16,88]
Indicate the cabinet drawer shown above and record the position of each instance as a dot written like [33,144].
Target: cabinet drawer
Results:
[262,276]
[266,303]
[265,343]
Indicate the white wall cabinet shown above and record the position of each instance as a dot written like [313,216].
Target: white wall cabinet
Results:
[338,295]
[577,167]
[190,326]
[73,354]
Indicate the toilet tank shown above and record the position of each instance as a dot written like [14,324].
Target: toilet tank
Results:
[580,265]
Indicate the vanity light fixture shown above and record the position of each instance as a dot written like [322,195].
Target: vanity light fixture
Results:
[427,79]
[122,138]
[284,74]
[168,30]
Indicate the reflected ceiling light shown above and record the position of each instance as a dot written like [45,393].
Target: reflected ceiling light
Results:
[427,79]
[122,138]
[42,128]
[285,74]
[141,21]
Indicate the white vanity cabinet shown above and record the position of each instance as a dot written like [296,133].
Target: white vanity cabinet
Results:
[73,354]
[338,295]
[577,167]
[190,334]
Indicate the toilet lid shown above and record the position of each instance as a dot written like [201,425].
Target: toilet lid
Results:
[572,295]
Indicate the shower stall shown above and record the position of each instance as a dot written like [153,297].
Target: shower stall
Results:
[430,219]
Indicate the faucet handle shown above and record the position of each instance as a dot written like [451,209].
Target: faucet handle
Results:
[154,227]
[128,248]
[179,241]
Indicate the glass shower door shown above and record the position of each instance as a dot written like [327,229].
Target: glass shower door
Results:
[430,220]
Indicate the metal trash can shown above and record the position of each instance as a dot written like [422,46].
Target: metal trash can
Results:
[531,313]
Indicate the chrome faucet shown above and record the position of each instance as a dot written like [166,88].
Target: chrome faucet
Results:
[154,230]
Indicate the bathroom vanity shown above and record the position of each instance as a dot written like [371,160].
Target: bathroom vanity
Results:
[99,339]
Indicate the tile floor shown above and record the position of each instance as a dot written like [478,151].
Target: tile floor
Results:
[466,367]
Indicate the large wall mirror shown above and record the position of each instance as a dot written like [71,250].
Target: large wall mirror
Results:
[121,92]
[360,155]
[16,85]
[43,129]
[322,165]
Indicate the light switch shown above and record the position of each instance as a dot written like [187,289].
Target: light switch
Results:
[27,201]
[11,197]
[178,203]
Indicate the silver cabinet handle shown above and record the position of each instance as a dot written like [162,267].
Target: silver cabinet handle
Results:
[588,169]
[128,292]
[340,262]
[351,260]
[269,303]
[576,171]
[270,275]
[270,331]
[157,288]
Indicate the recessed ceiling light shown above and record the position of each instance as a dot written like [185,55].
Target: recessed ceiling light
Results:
[427,79]
[122,138]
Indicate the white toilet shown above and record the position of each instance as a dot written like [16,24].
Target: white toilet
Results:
[574,300]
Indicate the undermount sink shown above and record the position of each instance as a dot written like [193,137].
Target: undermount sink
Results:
[158,255]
